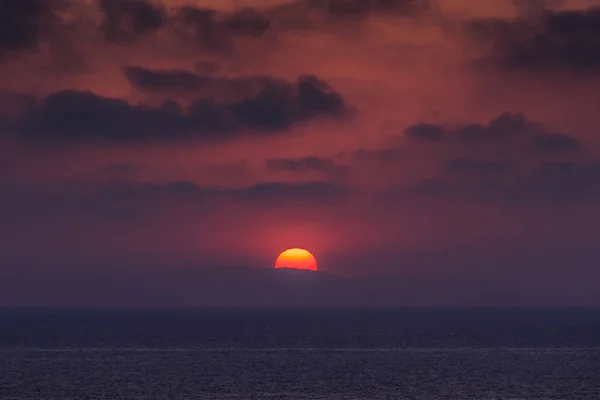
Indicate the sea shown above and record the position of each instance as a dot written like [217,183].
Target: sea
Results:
[184,354]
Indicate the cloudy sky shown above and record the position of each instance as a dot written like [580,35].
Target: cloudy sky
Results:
[432,140]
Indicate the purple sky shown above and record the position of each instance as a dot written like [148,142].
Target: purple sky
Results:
[427,152]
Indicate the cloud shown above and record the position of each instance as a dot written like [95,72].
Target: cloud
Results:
[300,165]
[382,157]
[125,19]
[165,80]
[184,83]
[217,30]
[536,7]
[277,106]
[426,132]
[507,126]
[367,8]
[316,97]
[71,116]
[556,143]
[122,199]
[470,166]
[568,181]
[118,171]
[512,133]
[14,104]
[509,160]
[23,23]
[281,193]
[506,146]
[247,22]
[555,183]
[565,39]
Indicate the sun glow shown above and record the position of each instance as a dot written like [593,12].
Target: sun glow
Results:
[296,259]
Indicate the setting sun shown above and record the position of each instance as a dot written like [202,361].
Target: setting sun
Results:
[296,259]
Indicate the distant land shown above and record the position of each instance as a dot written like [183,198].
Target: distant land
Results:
[255,287]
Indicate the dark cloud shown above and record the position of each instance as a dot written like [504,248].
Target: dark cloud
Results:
[509,160]
[198,23]
[183,82]
[123,199]
[507,126]
[118,171]
[555,39]
[430,133]
[510,133]
[217,30]
[165,80]
[568,181]
[556,143]
[574,24]
[556,183]
[73,115]
[315,97]
[366,8]
[271,110]
[24,22]
[125,19]
[70,116]
[278,105]
[470,166]
[488,162]
[282,193]
[536,7]
[381,157]
[434,190]
[264,194]
[207,67]
[13,104]
[247,22]
[274,105]
[300,165]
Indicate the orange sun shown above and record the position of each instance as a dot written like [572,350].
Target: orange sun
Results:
[296,259]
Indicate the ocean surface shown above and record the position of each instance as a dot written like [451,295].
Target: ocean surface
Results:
[429,354]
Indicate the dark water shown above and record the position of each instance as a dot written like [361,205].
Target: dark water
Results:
[333,354]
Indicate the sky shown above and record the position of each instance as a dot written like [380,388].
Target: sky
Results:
[446,145]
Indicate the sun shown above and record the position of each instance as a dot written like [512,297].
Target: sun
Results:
[296,259]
